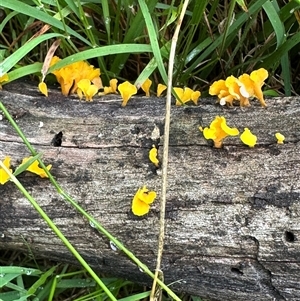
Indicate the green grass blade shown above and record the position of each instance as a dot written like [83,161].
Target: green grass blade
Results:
[10,296]
[273,16]
[153,40]
[151,66]
[147,71]
[136,297]
[101,51]
[134,31]
[275,21]
[10,272]
[7,18]
[198,10]
[24,166]
[73,7]
[233,28]
[72,283]
[267,62]
[35,13]
[41,281]
[23,71]
[106,18]
[229,20]
[286,74]
[242,4]
[16,287]
[7,278]
[14,58]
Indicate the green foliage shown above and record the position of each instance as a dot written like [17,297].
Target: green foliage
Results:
[218,38]
[58,283]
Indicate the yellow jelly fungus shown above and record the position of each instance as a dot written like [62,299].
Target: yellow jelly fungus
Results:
[219,130]
[246,89]
[69,76]
[3,78]
[34,168]
[126,90]
[97,82]
[142,200]
[179,92]
[233,87]
[240,89]
[248,138]
[106,90]
[246,85]
[187,93]
[258,77]
[219,88]
[146,86]
[195,96]
[160,89]
[113,84]
[280,138]
[184,95]
[112,87]
[87,89]
[4,177]
[43,88]
[153,156]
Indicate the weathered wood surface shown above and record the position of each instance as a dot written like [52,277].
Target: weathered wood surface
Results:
[233,214]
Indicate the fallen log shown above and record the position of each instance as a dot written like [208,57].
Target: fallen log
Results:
[232,216]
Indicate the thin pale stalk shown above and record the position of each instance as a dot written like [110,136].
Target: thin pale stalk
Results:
[166,150]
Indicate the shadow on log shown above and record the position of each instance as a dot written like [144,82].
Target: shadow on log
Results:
[232,216]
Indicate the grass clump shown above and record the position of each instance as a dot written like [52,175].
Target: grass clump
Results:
[41,279]
[215,36]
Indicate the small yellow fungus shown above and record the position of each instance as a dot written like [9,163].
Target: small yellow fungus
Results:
[34,168]
[146,86]
[185,95]
[113,84]
[87,89]
[240,89]
[233,87]
[142,200]
[3,78]
[248,138]
[4,177]
[219,88]
[258,77]
[250,85]
[43,88]
[153,156]
[69,76]
[195,96]
[280,138]
[160,89]
[126,90]
[179,92]
[218,131]
[112,87]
